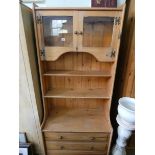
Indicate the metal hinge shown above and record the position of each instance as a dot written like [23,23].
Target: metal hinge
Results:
[42,53]
[38,19]
[113,53]
[117,20]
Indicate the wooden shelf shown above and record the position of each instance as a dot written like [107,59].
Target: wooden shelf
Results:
[78,73]
[77,120]
[78,93]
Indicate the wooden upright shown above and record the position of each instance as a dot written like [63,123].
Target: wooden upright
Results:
[77,56]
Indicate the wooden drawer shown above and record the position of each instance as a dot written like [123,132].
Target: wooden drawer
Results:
[76,136]
[69,145]
[69,152]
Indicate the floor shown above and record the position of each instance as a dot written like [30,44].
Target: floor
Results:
[130,152]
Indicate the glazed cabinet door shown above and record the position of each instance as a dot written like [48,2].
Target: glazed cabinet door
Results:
[99,33]
[56,33]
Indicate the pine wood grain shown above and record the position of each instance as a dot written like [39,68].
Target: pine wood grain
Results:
[83,137]
[79,101]
[76,120]
[125,77]
[77,73]
[77,93]
[72,145]
[71,152]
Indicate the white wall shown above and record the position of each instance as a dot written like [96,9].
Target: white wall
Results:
[63,3]
[67,3]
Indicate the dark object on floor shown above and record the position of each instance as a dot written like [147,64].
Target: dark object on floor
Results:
[25,149]
[22,137]
[130,151]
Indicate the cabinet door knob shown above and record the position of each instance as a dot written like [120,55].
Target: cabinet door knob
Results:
[92,138]
[92,148]
[61,137]
[61,147]
[76,32]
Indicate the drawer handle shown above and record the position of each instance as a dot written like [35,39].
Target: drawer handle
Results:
[61,137]
[92,138]
[61,147]
[92,148]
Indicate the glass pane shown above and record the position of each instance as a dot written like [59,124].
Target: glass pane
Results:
[58,31]
[97,31]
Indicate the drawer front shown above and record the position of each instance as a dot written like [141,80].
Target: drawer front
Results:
[87,146]
[68,152]
[76,136]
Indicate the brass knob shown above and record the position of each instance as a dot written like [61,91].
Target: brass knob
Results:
[61,137]
[61,147]
[92,138]
[76,32]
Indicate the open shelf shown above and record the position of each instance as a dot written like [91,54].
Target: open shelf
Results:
[77,120]
[97,93]
[78,73]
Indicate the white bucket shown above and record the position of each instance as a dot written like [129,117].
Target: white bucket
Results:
[126,109]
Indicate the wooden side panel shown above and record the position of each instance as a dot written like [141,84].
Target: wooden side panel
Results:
[129,73]
[30,107]
[125,77]
[27,20]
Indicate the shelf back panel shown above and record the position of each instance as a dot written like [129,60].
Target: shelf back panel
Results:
[78,61]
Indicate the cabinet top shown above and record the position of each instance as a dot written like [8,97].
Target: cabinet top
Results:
[120,8]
